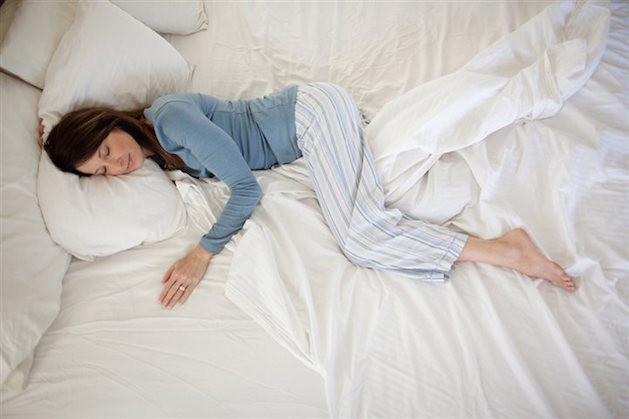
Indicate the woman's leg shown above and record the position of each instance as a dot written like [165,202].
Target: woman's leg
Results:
[517,251]
[330,136]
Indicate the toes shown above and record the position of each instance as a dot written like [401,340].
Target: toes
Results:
[569,285]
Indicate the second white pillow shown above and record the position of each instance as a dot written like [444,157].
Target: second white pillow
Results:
[108,58]
[164,16]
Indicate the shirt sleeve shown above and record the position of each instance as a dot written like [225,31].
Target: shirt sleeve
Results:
[188,126]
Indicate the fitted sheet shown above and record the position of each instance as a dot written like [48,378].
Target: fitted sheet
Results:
[491,342]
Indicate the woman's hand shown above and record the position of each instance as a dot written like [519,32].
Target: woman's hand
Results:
[186,272]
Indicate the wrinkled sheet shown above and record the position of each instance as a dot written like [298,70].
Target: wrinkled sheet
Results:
[114,351]
[526,75]
[491,342]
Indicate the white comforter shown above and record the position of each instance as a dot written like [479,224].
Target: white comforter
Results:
[491,342]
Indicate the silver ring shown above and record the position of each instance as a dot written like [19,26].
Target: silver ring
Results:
[182,288]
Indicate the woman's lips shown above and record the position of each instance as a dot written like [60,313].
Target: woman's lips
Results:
[129,162]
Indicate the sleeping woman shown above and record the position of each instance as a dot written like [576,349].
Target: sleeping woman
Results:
[205,137]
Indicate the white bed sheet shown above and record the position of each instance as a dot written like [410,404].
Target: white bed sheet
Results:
[113,351]
[488,343]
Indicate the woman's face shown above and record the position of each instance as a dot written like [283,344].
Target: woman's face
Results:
[118,154]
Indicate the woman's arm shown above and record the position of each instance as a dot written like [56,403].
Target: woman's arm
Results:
[187,126]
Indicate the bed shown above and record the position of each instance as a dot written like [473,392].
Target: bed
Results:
[282,325]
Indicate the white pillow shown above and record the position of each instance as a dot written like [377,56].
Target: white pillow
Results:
[174,16]
[102,215]
[32,265]
[37,27]
[108,58]
[35,31]
[7,11]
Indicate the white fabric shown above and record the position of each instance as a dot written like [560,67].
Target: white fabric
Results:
[489,341]
[113,340]
[33,36]
[102,215]
[7,11]
[174,16]
[37,27]
[127,69]
[32,266]
[526,75]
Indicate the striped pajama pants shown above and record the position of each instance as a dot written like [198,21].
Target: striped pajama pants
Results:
[330,136]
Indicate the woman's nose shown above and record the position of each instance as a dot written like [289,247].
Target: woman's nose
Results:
[117,164]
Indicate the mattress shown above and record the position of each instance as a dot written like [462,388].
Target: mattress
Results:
[282,325]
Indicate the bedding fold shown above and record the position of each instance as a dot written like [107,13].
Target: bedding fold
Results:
[526,75]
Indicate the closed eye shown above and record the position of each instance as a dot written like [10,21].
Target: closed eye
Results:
[104,173]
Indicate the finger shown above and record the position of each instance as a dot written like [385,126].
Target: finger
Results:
[187,293]
[176,298]
[167,275]
[170,292]
[173,288]
[167,287]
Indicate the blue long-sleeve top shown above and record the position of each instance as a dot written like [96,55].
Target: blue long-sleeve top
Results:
[228,139]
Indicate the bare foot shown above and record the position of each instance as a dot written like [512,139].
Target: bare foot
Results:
[525,257]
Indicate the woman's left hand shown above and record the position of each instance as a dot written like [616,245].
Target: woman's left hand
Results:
[186,272]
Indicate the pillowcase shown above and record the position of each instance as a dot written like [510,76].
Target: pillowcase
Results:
[7,11]
[107,58]
[102,215]
[35,31]
[38,26]
[32,266]
[174,16]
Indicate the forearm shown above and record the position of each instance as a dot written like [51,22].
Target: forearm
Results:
[203,254]
[238,209]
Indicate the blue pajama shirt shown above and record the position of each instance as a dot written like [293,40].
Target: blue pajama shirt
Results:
[320,122]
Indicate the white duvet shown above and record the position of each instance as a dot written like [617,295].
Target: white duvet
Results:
[491,342]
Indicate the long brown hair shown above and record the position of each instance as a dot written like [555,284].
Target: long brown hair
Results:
[79,134]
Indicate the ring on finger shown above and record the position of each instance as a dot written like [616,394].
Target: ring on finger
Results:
[181,288]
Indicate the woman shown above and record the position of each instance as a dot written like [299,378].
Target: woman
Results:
[204,136]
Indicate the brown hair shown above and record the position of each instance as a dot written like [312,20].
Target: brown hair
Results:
[79,134]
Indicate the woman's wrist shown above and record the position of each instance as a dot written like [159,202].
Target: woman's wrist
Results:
[202,253]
